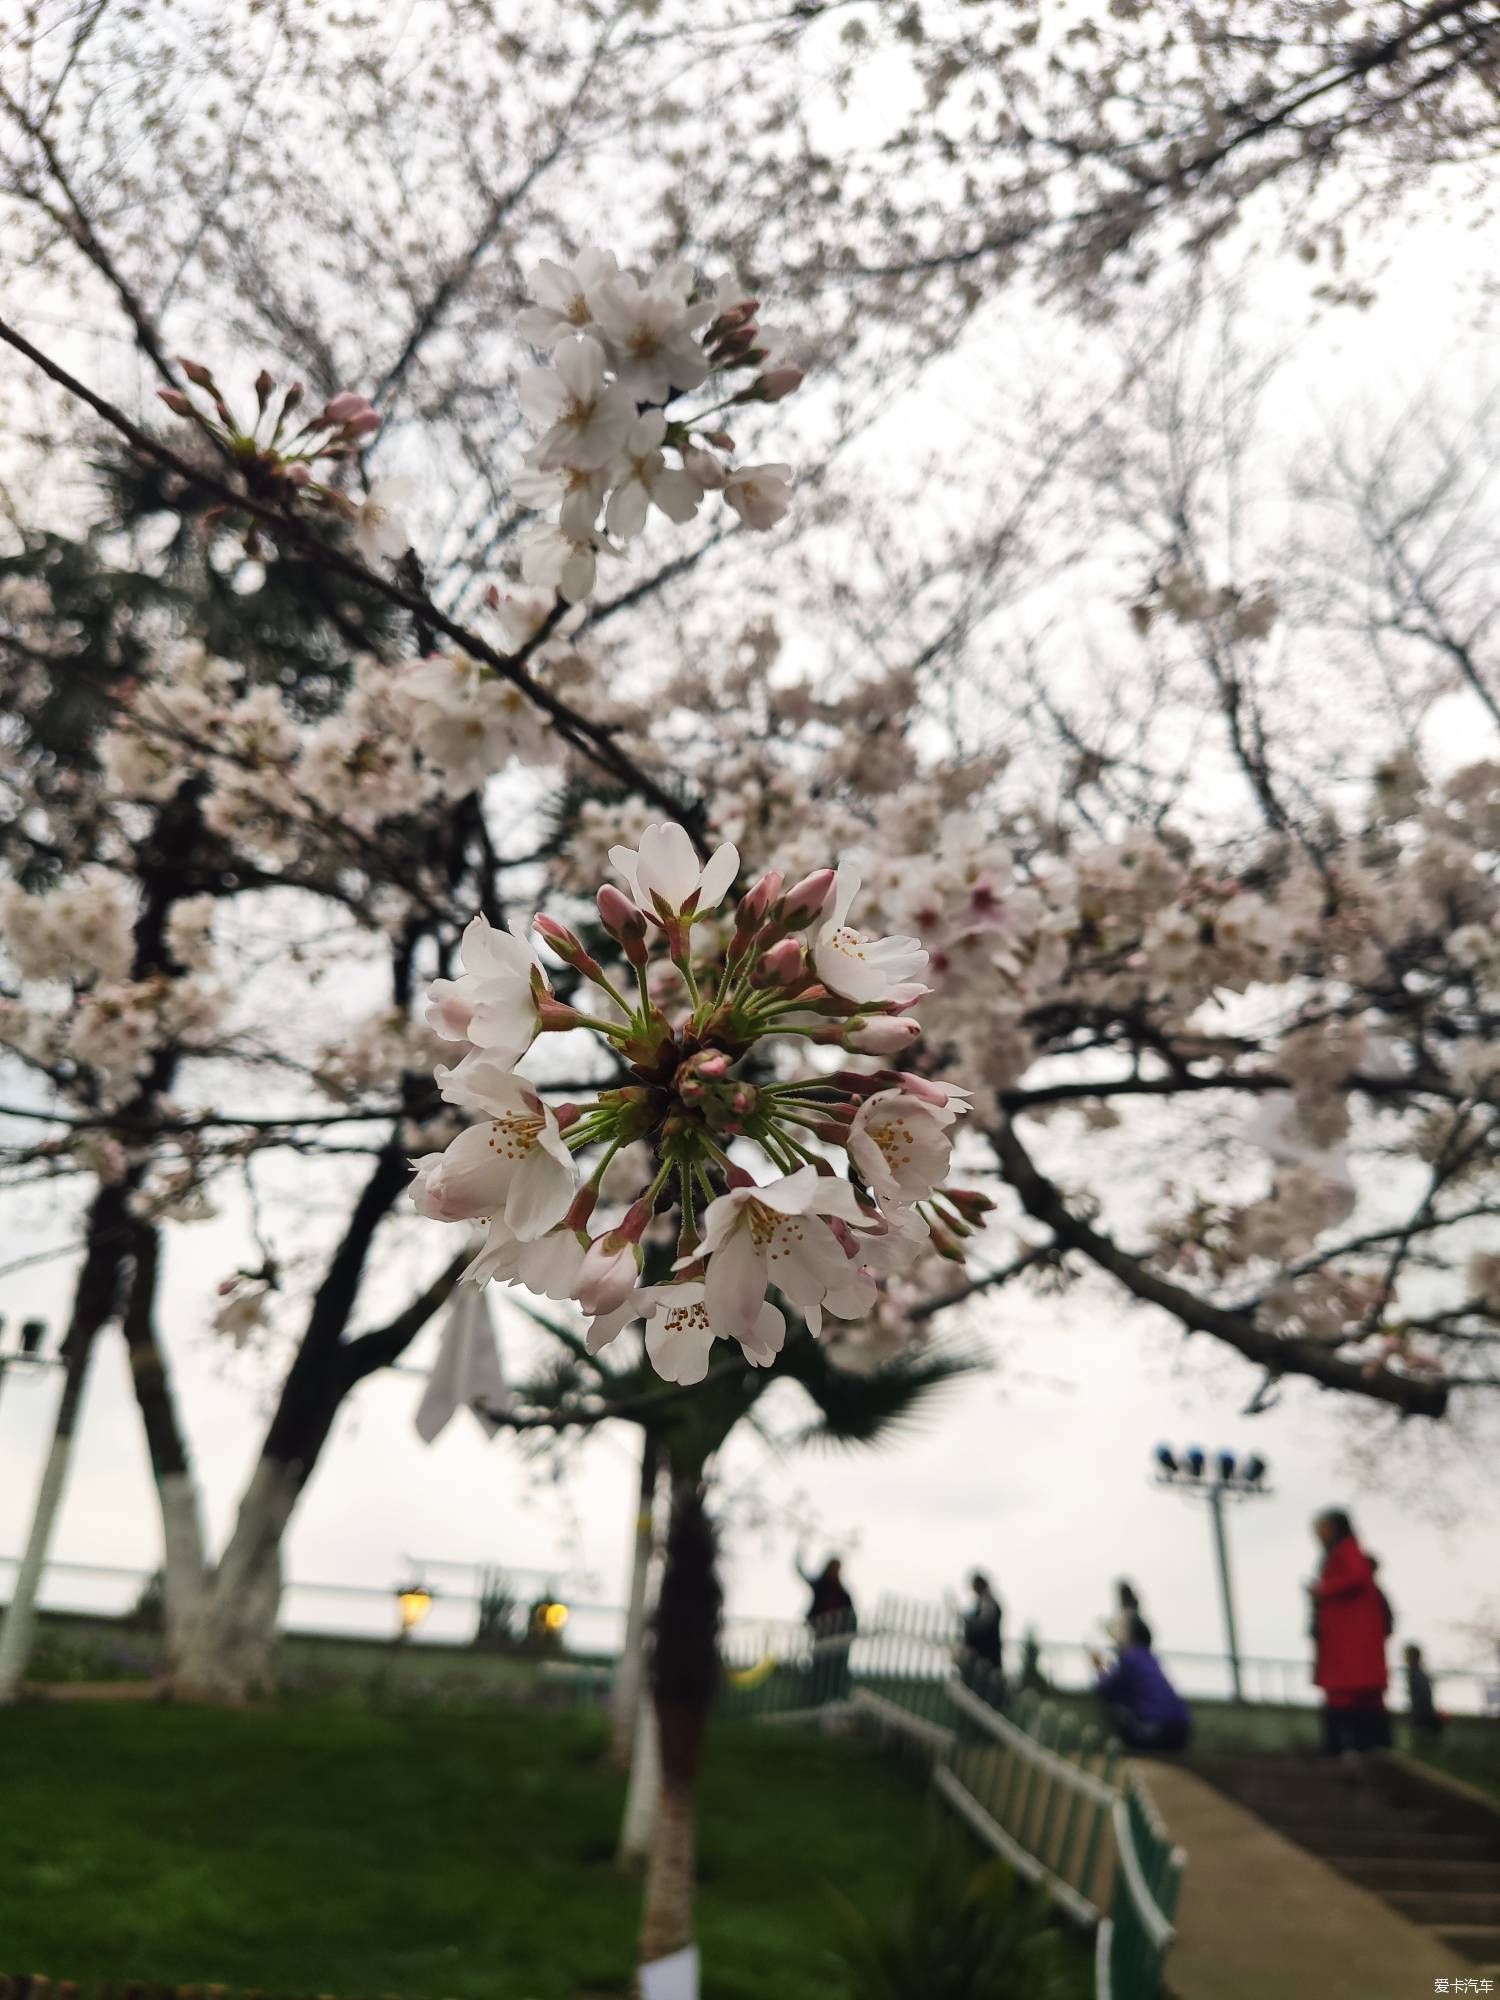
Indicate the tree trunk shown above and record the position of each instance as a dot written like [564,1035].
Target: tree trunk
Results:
[625,1694]
[667,1917]
[684,1676]
[93,1302]
[227,1652]
[20,1618]
[184,1556]
[643,1789]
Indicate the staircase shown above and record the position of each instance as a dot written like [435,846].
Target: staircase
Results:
[1431,1854]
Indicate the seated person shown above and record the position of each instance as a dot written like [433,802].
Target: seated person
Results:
[1144,1709]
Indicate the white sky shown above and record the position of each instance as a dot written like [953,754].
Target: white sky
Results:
[1040,1473]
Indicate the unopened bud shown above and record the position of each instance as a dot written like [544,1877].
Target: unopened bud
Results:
[721,439]
[884,1035]
[970,1203]
[780,966]
[364,425]
[705,468]
[265,382]
[196,373]
[561,939]
[805,899]
[176,401]
[298,474]
[555,1017]
[343,407]
[775,384]
[753,906]
[292,399]
[625,923]
[583,1207]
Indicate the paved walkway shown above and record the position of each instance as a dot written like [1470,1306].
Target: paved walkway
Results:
[1261,1919]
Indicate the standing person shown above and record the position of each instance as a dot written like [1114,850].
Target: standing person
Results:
[831,1618]
[1130,1611]
[1420,1706]
[1350,1623]
[1143,1708]
[980,1662]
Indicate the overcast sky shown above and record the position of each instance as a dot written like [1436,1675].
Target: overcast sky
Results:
[1040,1473]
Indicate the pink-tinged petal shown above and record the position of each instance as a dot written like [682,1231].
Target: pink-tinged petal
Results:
[541,394]
[845,888]
[540,1194]
[668,864]
[447,1013]
[734,1286]
[791,1195]
[718,876]
[626,863]
[550,1265]
[678,1353]
[762,1348]
[496,1257]
[604,1328]
[580,363]
[720,1217]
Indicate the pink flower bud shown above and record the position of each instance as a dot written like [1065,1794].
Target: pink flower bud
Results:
[803,901]
[720,438]
[176,402]
[340,409]
[566,1115]
[777,383]
[885,1035]
[713,1065]
[583,1207]
[736,1177]
[705,468]
[196,373]
[780,966]
[561,939]
[618,914]
[364,425]
[298,475]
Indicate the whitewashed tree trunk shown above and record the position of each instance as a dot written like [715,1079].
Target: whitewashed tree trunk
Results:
[20,1618]
[228,1648]
[625,1692]
[184,1558]
[638,1822]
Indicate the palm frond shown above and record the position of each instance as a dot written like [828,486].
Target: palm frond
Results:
[870,1409]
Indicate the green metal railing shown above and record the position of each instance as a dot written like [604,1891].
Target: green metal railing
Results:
[1037,1783]
[1134,1939]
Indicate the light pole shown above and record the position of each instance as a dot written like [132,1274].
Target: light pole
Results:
[1228,1479]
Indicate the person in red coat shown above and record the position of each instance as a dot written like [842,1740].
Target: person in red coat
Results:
[1351,1621]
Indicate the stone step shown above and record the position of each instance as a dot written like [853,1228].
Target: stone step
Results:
[1479,1943]
[1383,1876]
[1380,1844]
[1439,1907]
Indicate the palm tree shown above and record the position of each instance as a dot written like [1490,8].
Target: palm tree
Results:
[686,1428]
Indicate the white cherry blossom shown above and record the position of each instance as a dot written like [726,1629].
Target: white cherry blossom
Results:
[652,335]
[561,294]
[664,870]
[900,1147]
[514,1165]
[648,481]
[492,1003]
[860,968]
[587,417]
[777,1235]
[759,494]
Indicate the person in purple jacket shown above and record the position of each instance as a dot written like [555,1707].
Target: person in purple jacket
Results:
[1144,1709]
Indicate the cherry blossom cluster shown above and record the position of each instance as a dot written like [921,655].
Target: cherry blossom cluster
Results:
[701,997]
[623,346]
[287,455]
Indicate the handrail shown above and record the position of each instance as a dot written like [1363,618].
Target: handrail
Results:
[969,1704]
[1158,1929]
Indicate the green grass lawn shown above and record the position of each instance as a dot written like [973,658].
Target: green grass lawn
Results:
[321,1848]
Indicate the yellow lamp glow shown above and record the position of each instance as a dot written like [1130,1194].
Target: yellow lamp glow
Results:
[415,1604]
[555,1616]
